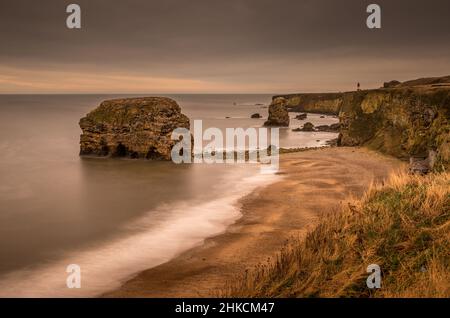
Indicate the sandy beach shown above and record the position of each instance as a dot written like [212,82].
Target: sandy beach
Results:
[314,182]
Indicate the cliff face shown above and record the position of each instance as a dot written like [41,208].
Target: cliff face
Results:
[324,103]
[278,114]
[402,122]
[133,127]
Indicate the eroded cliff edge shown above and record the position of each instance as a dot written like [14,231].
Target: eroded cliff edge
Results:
[324,103]
[132,127]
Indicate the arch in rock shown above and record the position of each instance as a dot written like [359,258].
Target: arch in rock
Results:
[121,151]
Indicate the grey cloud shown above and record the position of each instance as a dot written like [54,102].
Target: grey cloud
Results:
[216,38]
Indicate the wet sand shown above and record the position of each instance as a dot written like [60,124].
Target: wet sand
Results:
[314,182]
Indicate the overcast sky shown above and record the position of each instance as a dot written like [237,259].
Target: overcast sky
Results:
[219,46]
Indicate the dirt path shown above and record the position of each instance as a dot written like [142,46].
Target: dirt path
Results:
[314,181]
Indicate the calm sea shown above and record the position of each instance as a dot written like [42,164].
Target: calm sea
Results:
[111,217]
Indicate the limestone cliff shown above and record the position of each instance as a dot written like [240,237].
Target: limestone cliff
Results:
[278,114]
[324,103]
[132,127]
[401,121]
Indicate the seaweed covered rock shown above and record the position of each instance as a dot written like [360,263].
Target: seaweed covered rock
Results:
[132,127]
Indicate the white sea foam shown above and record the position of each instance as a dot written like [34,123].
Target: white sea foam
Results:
[106,266]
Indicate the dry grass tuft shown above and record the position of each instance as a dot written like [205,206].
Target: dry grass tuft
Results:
[403,226]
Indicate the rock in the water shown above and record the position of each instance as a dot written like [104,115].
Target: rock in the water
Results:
[257,115]
[329,128]
[301,116]
[278,114]
[307,127]
[132,127]
[323,128]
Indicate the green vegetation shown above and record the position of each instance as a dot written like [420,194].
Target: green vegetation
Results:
[403,226]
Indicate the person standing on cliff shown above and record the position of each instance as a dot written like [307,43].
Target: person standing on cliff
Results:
[358,86]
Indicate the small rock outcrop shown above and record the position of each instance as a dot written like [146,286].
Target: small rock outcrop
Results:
[132,127]
[306,127]
[329,128]
[278,114]
[301,116]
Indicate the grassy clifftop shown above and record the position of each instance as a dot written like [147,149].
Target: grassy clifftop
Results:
[402,226]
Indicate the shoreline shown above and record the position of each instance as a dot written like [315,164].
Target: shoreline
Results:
[314,182]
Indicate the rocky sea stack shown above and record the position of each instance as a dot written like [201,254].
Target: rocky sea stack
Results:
[132,127]
[278,114]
